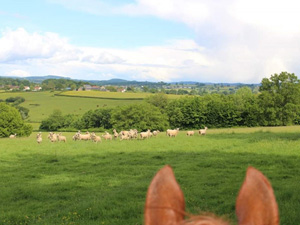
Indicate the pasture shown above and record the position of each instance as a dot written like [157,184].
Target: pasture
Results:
[42,104]
[106,183]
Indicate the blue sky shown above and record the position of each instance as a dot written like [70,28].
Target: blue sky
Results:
[89,29]
[154,40]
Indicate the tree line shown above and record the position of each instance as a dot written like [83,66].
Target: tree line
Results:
[277,104]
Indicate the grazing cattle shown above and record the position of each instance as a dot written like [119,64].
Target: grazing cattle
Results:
[255,205]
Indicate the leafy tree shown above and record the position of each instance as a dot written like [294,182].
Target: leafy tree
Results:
[11,122]
[73,87]
[54,121]
[221,111]
[130,89]
[21,88]
[96,119]
[111,88]
[15,100]
[139,116]
[279,99]
[71,121]
[182,92]
[23,111]
[159,100]
[187,112]
[145,88]
[247,105]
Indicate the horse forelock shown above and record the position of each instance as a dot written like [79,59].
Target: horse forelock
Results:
[209,219]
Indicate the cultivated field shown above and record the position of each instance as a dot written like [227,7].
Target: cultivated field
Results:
[106,183]
[113,95]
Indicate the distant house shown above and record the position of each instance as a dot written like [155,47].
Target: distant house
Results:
[102,88]
[87,87]
[121,89]
[95,87]
[37,88]
[26,88]
[13,87]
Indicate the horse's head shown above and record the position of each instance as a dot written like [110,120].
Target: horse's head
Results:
[255,205]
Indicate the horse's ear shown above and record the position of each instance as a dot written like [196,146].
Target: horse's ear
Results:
[256,203]
[164,201]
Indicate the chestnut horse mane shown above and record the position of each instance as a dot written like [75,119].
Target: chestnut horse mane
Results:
[205,219]
[202,219]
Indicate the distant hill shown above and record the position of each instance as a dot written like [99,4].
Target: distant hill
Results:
[208,83]
[40,79]
[118,82]
[121,82]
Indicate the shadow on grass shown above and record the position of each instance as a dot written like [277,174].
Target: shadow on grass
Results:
[257,136]
[110,188]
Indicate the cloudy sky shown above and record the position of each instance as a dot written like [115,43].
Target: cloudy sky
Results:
[154,40]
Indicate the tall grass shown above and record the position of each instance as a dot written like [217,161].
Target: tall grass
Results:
[106,183]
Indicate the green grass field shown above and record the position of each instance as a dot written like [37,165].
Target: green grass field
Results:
[42,104]
[106,183]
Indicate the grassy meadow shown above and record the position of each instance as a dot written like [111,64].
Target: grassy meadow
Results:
[106,183]
[42,104]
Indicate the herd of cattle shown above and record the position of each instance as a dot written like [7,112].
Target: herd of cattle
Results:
[123,135]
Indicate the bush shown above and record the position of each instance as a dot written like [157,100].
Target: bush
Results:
[54,122]
[139,116]
[23,111]
[15,100]
[11,122]
[99,118]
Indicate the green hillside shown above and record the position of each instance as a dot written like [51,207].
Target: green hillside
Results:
[42,104]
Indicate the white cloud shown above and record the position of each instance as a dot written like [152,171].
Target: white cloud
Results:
[240,41]
[18,45]
[191,12]
[18,73]
[51,54]
[278,16]
[236,40]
